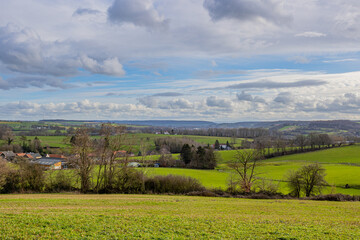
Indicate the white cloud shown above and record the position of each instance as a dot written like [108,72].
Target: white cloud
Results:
[284,98]
[138,12]
[243,96]
[245,10]
[214,101]
[310,34]
[110,66]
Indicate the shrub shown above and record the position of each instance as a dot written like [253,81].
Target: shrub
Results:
[128,180]
[13,182]
[62,181]
[266,186]
[172,184]
[32,177]
[4,170]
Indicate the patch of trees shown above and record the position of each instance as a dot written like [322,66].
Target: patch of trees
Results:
[200,157]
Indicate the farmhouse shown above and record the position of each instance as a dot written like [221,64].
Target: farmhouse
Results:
[50,163]
[7,155]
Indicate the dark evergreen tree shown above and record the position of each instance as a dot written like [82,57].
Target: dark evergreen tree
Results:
[217,144]
[186,154]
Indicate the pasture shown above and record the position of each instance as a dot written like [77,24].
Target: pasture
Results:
[135,139]
[342,167]
[63,216]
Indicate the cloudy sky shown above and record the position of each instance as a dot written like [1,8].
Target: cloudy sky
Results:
[216,60]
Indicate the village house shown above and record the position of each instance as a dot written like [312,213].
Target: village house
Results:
[51,163]
[8,155]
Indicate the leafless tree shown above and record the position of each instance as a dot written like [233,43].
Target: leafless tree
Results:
[83,160]
[244,165]
[113,139]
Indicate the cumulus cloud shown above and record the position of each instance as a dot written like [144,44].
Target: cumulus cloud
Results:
[243,96]
[271,84]
[284,98]
[150,102]
[39,82]
[138,12]
[80,107]
[214,101]
[347,103]
[22,50]
[110,66]
[153,102]
[244,10]
[176,104]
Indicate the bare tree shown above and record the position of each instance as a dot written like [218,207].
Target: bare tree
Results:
[300,141]
[244,164]
[113,139]
[84,160]
[8,136]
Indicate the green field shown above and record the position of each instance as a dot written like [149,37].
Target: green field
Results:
[59,216]
[136,139]
[342,167]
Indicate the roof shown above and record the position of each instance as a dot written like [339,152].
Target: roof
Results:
[47,161]
[8,154]
[55,156]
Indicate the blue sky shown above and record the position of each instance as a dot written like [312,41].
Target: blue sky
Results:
[223,61]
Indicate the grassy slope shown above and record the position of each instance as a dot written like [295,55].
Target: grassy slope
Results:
[333,160]
[347,154]
[59,216]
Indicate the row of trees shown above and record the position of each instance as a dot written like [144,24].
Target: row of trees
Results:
[275,146]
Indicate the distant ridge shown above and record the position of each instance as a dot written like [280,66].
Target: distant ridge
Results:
[170,123]
[274,125]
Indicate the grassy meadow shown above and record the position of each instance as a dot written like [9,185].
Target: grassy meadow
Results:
[62,216]
[135,139]
[342,167]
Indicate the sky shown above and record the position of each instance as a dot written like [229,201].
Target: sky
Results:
[214,60]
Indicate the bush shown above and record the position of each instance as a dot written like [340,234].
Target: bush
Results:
[60,182]
[266,186]
[127,180]
[4,171]
[32,177]
[172,184]
[13,182]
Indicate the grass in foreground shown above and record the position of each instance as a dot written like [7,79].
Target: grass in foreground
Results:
[50,216]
